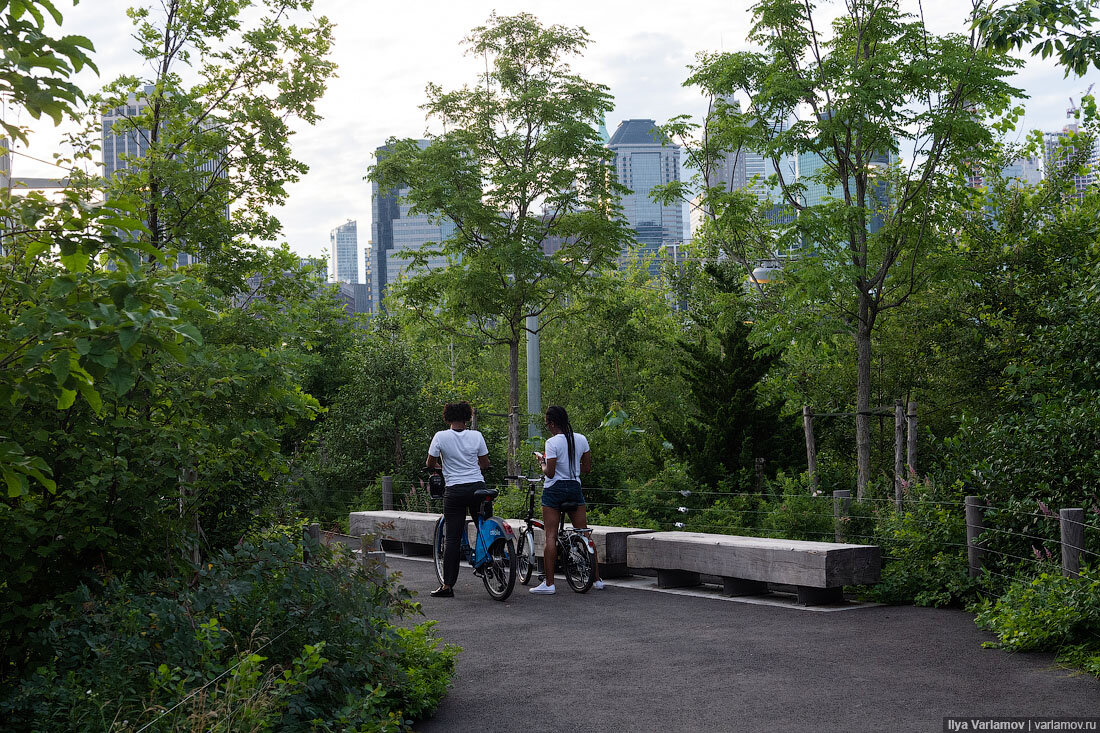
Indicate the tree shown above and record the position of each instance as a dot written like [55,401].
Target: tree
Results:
[35,67]
[727,425]
[218,152]
[1065,29]
[518,165]
[877,87]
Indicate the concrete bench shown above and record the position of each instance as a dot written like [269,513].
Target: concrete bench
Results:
[818,570]
[411,532]
[610,545]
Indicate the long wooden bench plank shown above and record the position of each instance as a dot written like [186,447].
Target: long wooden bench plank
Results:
[762,559]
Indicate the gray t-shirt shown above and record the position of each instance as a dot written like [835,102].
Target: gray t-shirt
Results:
[459,450]
[557,447]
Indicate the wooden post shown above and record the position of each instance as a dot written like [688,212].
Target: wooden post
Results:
[842,500]
[811,449]
[975,523]
[371,555]
[1073,539]
[899,451]
[912,457]
[760,475]
[473,419]
[311,537]
[387,493]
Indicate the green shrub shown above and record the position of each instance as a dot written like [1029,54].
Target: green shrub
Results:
[924,550]
[795,513]
[1048,613]
[261,639]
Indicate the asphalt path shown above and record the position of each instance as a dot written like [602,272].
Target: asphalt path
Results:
[626,659]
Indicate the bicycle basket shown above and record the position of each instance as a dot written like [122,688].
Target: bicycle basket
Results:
[436,485]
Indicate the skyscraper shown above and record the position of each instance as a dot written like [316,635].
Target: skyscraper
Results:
[343,254]
[394,234]
[644,159]
[121,149]
[1058,147]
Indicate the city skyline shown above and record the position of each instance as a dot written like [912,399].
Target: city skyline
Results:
[640,55]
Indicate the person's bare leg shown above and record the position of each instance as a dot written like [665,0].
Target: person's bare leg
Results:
[550,519]
[579,518]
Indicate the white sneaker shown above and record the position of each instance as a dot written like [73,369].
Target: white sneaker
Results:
[598,585]
[543,589]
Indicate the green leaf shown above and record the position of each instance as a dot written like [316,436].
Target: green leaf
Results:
[60,366]
[121,379]
[17,483]
[92,397]
[128,336]
[66,399]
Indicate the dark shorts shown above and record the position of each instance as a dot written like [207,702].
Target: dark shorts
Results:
[562,492]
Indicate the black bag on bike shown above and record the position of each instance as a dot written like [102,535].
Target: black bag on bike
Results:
[437,486]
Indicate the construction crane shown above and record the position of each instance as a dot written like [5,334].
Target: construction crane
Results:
[1071,111]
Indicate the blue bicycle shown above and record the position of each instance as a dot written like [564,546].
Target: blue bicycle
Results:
[493,555]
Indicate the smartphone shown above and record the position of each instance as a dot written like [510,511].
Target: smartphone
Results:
[538,455]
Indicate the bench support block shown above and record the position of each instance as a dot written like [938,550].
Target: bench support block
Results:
[739,587]
[614,570]
[676,578]
[819,596]
[412,549]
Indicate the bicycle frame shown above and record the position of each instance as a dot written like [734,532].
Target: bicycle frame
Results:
[488,530]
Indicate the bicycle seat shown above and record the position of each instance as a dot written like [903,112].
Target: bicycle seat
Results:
[486,493]
[567,508]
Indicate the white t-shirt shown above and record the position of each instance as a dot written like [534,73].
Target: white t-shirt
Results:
[557,447]
[459,450]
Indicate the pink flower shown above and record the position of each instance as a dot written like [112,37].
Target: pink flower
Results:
[1044,508]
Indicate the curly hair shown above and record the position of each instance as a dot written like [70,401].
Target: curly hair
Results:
[454,411]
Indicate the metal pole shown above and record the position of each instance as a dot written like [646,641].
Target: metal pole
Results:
[534,378]
[1073,539]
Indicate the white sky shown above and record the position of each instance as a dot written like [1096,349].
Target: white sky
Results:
[388,51]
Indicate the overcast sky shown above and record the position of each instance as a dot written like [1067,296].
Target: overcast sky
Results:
[388,51]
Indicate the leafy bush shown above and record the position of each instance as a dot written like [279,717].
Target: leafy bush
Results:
[924,550]
[1049,613]
[257,640]
[796,514]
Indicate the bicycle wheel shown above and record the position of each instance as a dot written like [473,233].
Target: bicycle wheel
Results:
[578,565]
[525,557]
[499,574]
[438,544]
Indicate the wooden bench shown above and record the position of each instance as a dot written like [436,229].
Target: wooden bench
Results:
[818,570]
[411,532]
[610,546]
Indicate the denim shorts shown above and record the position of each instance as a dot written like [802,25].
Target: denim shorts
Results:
[562,492]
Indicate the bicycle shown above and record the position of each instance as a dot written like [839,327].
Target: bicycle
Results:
[493,555]
[575,550]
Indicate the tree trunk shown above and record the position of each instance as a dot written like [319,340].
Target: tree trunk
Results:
[863,395]
[513,405]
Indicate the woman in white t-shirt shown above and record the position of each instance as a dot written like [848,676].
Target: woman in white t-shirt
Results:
[567,457]
[462,455]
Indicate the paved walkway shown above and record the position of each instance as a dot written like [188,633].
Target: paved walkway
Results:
[628,659]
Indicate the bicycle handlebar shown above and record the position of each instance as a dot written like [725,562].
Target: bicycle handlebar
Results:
[530,479]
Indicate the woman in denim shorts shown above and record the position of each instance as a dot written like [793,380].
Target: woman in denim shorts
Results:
[567,457]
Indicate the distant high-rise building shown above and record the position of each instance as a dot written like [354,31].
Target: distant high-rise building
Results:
[343,254]
[1023,171]
[123,147]
[1055,156]
[391,228]
[644,159]
[411,232]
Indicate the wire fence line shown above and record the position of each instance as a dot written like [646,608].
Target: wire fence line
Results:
[196,691]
